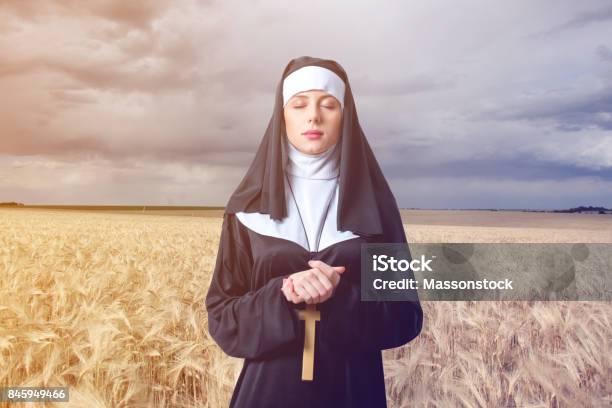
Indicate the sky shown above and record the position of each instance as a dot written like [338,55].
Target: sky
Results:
[486,105]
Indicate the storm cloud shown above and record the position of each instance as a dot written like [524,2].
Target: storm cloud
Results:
[505,105]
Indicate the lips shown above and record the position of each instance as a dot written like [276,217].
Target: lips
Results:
[313,134]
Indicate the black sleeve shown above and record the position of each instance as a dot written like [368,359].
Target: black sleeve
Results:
[351,323]
[369,325]
[245,323]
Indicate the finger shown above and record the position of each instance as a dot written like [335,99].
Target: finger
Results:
[285,295]
[330,271]
[337,274]
[312,290]
[322,266]
[316,262]
[339,269]
[314,280]
[287,291]
[305,295]
[303,292]
[333,277]
[284,287]
[315,289]
[294,296]
[325,281]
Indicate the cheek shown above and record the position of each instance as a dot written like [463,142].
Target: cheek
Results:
[291,122]
[335,123]
[293,119]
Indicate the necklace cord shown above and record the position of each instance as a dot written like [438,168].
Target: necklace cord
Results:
[322,223]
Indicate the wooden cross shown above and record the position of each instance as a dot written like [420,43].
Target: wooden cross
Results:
[310,315]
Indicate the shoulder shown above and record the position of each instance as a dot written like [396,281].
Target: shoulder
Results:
[233,230]
[252,221]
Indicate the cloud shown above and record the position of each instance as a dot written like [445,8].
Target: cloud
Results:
[399,86]
[124,47]
[39,180]
[479,193]
[605,53]
[163,101]
[137,14]
[522,168]
[566,110]
[581,20]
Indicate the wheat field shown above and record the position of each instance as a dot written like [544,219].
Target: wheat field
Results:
[112,305]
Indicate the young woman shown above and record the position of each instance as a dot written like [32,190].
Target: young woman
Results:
[285,292]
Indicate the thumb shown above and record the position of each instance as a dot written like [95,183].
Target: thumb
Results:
[325,268]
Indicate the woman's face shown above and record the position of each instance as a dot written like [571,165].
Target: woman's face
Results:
[313,121]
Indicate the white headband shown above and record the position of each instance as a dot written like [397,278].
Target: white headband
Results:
[313,77]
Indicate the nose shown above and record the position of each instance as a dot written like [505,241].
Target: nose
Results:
[314,114]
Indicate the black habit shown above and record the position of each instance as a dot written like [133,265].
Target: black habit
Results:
[250,318]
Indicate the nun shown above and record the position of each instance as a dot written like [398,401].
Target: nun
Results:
[285,291]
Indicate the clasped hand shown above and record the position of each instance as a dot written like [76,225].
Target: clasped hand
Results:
[314,285]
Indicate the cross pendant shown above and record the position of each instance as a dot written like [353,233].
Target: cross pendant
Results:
[310,315]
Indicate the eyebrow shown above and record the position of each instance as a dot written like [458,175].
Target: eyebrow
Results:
[306,97]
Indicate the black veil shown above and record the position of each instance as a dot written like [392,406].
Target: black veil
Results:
[366,205]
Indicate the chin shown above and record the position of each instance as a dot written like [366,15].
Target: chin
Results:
[315,146]
[312,146]
[315,149]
